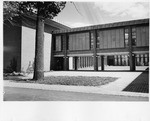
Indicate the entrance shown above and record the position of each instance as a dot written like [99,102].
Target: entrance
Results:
[110,60]
[59,63]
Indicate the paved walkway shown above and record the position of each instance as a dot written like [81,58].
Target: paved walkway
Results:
[114,88]
[140,84]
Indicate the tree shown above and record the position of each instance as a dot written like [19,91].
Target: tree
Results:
[10,10]
[43,10]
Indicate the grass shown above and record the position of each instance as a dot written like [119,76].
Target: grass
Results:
[71,80]
[77,80]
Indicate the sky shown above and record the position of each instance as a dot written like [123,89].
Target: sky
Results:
[79,14]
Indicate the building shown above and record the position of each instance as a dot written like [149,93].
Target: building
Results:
[101,46]
[19,43]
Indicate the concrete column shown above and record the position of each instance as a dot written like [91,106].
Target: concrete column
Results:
[66,59]
[102,62]
[87,61]
[84,61]
[105,60]
[81,62]
[121,60]
[66,63]
[131,55]
[90,61]
[95,51]
[52,60]
[143,59]
[75,62]
[78,62]
[115,56]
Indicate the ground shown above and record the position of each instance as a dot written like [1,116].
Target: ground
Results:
[24,94]
[115,91]
[140,84]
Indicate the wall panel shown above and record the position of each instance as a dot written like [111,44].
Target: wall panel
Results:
[83,39]
[69,42]
[138,36]
[109,39]
[101,40]
[105,39]
[113,39]
[87,40]
[58,43]
[147,36]
[143,34]
[121,38]
[117,38]
[79,41]
[76,43]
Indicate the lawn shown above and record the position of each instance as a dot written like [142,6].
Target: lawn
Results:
[69,80]
[77,80]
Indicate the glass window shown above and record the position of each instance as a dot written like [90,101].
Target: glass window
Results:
[133,36]
[92,40]
[58,43]
[79,41]
[98,40]
[126,37]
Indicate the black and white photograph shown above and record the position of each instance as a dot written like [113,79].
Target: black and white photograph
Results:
[75,60]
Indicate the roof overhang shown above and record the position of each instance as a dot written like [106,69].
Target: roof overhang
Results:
[103,26]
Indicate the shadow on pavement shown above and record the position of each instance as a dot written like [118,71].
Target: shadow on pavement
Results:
[140,84]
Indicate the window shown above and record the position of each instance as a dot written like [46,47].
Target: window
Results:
[58,43]
[98,39]
[133,36]
[126,37]
[92,40]
[79,41]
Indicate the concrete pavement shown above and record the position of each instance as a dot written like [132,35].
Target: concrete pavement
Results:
[27,94]
[113,88]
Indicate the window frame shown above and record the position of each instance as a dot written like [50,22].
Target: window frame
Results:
[61,44]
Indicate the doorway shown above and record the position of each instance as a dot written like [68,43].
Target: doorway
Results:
[110,60]
[59,63]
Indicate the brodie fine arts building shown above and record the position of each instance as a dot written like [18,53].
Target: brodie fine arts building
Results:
[121,45]
[99,47]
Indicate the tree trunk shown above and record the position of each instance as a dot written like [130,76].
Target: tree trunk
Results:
[39,50]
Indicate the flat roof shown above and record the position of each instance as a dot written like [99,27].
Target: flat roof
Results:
[102,26]
[50,22]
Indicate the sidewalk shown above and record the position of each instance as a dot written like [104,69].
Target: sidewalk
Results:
[114,88]
[140,84]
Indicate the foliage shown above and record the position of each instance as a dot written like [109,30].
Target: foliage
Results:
[46,9]
[19,8]
[10,10]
